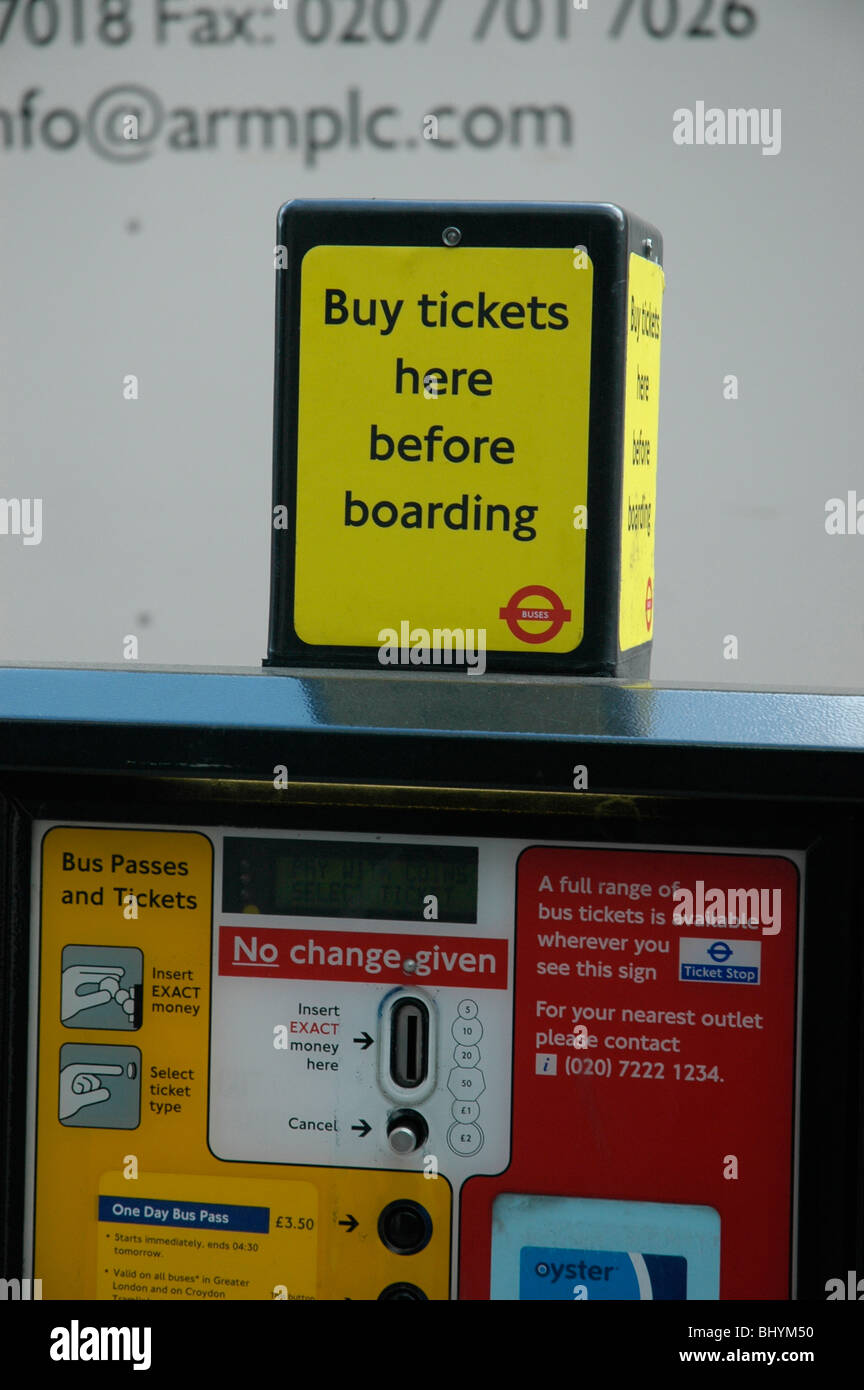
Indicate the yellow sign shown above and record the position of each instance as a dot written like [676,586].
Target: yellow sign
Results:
[641,416]
[442,463]
[130,1201]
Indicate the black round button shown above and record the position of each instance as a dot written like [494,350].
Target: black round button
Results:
[406,1131]
[405,1227]
[409,1292]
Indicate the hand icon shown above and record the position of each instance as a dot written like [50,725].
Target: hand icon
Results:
[105,977]
[80,1085]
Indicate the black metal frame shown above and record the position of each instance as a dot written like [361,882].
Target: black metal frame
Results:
[678,768]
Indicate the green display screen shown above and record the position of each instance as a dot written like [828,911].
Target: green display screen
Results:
[350,878]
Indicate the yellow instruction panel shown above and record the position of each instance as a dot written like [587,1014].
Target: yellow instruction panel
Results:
[180,1147]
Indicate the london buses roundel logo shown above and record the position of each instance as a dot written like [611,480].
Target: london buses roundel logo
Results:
[535,604]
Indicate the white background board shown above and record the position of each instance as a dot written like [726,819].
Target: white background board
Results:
[155,258]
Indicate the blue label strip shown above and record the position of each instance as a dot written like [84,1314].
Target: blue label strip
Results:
[191,1216]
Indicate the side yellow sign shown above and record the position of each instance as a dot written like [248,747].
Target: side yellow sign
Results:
[641,417]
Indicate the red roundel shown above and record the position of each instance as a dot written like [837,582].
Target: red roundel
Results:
[518,611]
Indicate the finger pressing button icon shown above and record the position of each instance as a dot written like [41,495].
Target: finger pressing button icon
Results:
[99,1087]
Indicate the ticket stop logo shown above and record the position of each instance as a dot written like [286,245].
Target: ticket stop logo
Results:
[442,443]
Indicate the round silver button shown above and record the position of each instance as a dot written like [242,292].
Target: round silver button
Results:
[406,1131]
[403,1140]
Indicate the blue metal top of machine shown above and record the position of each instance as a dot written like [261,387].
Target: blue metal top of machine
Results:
[511,733]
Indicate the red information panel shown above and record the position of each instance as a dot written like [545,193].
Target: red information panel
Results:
[654,1061]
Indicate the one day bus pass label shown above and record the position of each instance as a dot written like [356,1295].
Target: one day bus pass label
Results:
[205,1238]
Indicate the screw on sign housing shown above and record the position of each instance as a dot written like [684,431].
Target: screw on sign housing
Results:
[405,1227]
[599,385]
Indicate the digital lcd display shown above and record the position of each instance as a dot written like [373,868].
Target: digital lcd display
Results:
[351,878]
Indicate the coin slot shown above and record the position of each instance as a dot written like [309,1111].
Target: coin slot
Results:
[409,1044]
